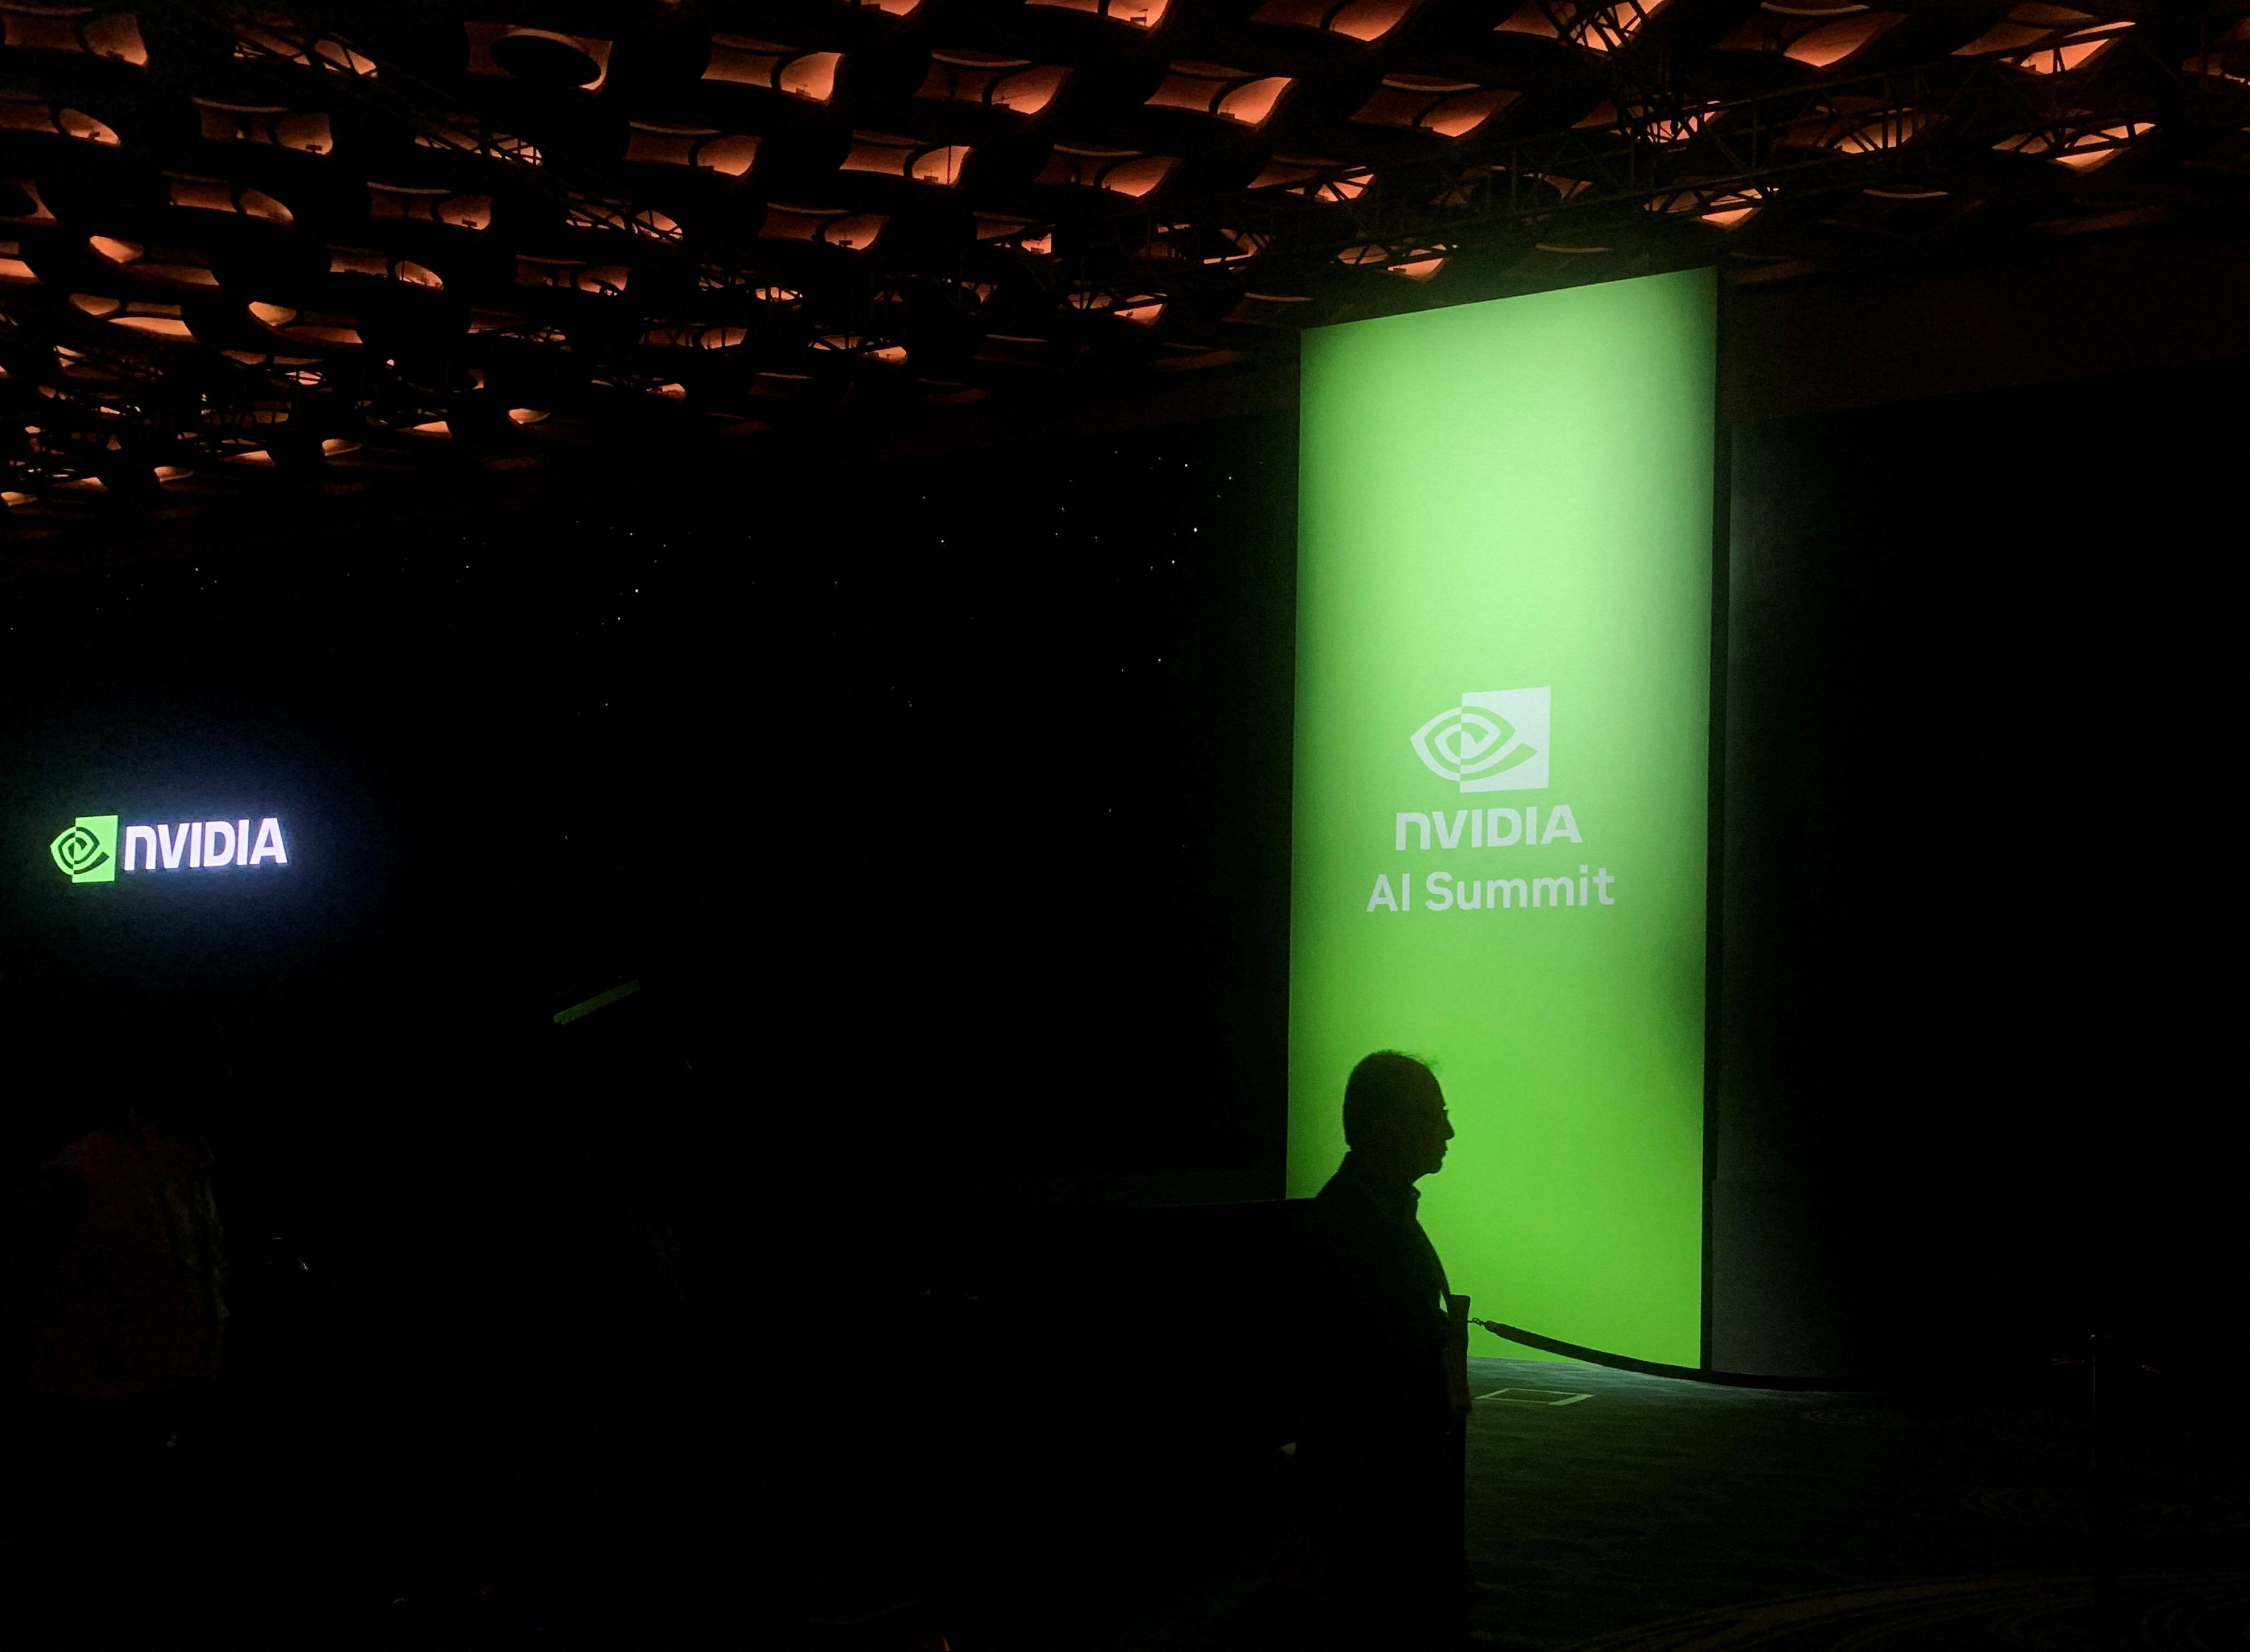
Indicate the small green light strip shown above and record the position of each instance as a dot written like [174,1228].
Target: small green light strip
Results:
[564,1017]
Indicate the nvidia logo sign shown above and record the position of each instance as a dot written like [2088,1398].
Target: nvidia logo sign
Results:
[88,850]
[1495,740]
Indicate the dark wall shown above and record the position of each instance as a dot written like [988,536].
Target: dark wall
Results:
[966,777]
[942,812]
[1973,768]
[942,808]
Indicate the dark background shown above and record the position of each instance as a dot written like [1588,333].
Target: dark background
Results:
[941,806]
[964,780]
[1973,994]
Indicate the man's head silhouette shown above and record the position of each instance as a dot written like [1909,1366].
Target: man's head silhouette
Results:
[1394,1117]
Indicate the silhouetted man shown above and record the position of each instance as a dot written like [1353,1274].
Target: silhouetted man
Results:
[1381,1447]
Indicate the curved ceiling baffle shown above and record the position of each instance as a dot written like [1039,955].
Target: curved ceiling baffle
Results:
[328,248]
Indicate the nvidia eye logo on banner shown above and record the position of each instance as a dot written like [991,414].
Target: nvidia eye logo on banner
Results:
[1493,741]
[87,851]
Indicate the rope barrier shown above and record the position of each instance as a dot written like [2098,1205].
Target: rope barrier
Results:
[1652,1368]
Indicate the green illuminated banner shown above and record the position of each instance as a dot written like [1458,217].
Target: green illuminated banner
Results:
[1503,696]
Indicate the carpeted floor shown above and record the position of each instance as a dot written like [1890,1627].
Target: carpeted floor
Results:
[1664,1514]
[1672,1514]
[1651,1513]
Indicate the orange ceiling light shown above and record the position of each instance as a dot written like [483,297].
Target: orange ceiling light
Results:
[2046,39]
[2079,151]
[219,195]
[112,35]
[23,204]
[1363,20]
[1138,14]
[2023,26]
[898,157]
[1862,126]
[1232,94]
[1127,172]
[737,60]
[1598,28]
[694,336]
[1723,209]
[471,135]
[306,131]
[1003,229]
[828,226]
[940,166]
[268,36]
[584,212]
[731,154]
[339,331]
[1344,186]
[344,260]
[1829,44]
[1420,265]
[1820,34]
[1282,169]
[153,321]
[882,350]
[542,55]
[572,275]
[1016,84]
[19,112]
[73,123]
[1532,19]
[2060,57]
[1430,103]
[412,203]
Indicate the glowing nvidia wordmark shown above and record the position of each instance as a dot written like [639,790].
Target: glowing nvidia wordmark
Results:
[87,851]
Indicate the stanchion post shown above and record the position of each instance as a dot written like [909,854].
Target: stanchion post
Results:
[1457,1388]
